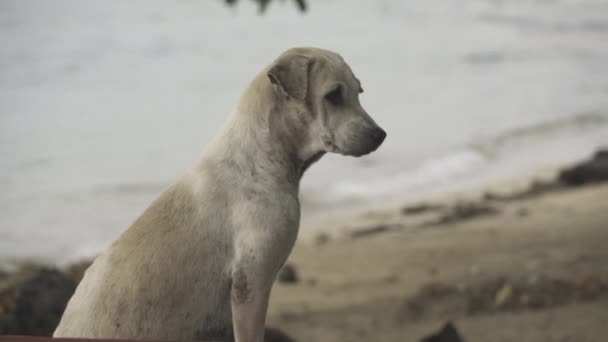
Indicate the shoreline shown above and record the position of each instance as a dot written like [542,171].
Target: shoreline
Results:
[523,266]
[313,221]
[341,223]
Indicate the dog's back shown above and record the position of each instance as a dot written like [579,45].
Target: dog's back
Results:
[111,302]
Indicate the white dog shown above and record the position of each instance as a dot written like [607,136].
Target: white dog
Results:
[199,263]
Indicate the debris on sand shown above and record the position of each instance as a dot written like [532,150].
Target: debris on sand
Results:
[373,230]
[536,188]
[421,208]
[430,215]
[503,295]
[463,211]
[441,300]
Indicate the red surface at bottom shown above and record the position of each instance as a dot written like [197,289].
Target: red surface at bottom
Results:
[7,338]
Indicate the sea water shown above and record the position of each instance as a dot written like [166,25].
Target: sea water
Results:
[105,103]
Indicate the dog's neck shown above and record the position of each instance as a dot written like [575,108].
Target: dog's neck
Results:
[262,139]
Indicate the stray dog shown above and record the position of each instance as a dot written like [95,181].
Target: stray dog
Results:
[199,263]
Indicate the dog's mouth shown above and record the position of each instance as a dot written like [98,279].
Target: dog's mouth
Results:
[361,146]
[361,152]
[329,145]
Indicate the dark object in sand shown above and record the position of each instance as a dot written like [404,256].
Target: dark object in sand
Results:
[322,239]
[276,335]
[40,304]
[591,171]
[420,208]
[363,232]
[447,334]
[464,211]
[437,300]
[287,274]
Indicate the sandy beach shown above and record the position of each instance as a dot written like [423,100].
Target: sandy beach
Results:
[523,261]
[531,265]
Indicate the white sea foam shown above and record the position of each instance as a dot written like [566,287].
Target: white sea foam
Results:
[434,172]
[521,150]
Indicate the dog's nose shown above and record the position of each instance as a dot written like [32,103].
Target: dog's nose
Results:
[378,135]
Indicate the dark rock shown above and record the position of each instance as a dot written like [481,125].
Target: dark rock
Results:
[447,334]
[276,335]
[5,327]
[601,154]
[591,171]
[288,274]
[40,303]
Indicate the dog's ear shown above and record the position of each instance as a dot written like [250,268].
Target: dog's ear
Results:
[291,73]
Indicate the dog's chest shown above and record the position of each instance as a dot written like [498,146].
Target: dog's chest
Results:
[275,219]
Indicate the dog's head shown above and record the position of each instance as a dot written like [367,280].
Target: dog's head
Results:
[319,85]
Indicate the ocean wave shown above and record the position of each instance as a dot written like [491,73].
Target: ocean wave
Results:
[433,172]
[456,165]
[579,123]
[548,24]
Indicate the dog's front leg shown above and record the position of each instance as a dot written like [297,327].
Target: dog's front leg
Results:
[251,283]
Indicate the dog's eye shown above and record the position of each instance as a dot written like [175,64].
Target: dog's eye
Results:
[335,97]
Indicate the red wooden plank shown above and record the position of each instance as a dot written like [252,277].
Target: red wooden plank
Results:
[14,338]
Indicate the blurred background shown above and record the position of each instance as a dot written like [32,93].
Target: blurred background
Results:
[105,103]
